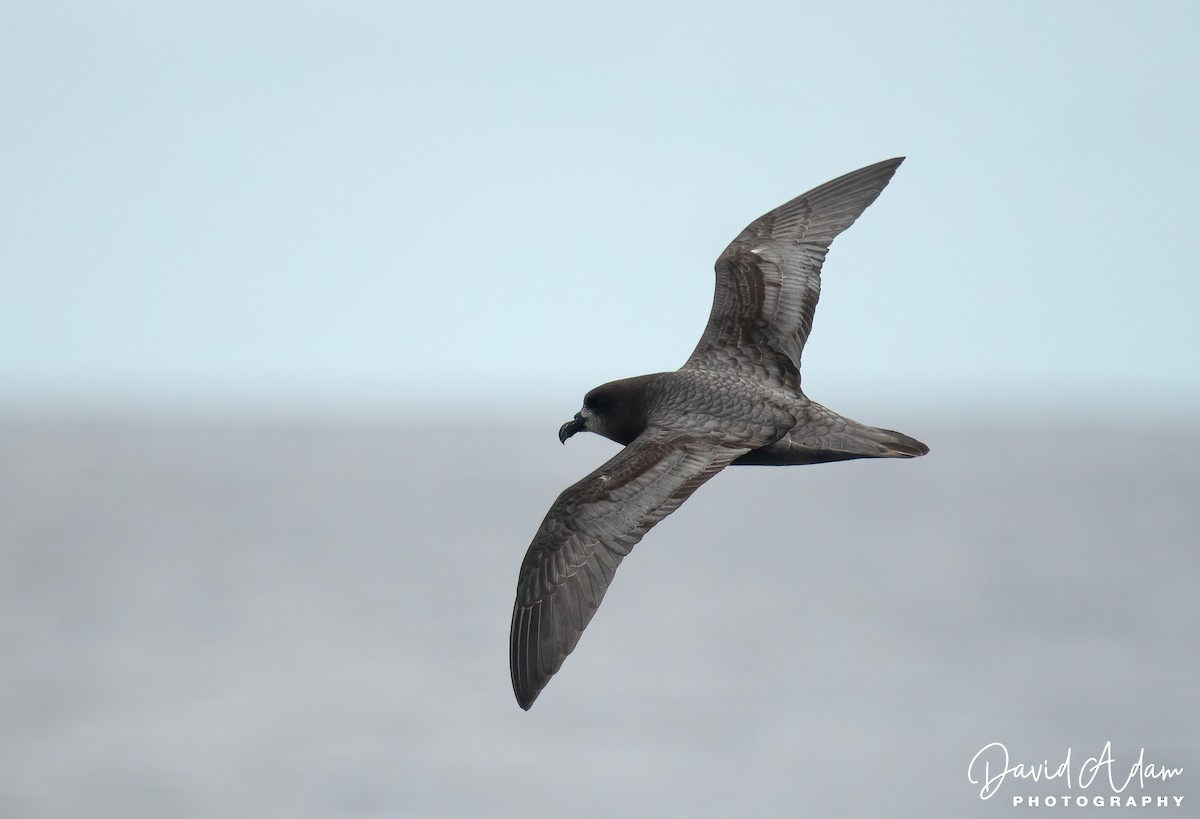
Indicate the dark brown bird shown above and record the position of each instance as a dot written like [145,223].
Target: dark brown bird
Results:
[737,400]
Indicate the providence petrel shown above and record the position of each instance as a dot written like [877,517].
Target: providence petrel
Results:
[737,400]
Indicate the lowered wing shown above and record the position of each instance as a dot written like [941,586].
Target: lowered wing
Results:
[586,533]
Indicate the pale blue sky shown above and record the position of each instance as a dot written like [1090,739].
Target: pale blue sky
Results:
[395,206]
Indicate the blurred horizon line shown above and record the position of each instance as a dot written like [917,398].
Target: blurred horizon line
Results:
[544,408]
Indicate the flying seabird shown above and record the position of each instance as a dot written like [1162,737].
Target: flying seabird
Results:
[737,400]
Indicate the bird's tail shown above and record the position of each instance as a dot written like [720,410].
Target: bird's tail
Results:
[892,444]
[830,437]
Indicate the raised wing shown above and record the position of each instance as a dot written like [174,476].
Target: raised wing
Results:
[586,533]
[769,278]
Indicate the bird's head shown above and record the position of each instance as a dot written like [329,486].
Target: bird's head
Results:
[611,410]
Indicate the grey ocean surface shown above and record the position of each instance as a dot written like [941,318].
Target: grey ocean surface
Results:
[308,620]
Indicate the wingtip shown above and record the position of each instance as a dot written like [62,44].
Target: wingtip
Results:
[891,164]
[525,699]
[888,166]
